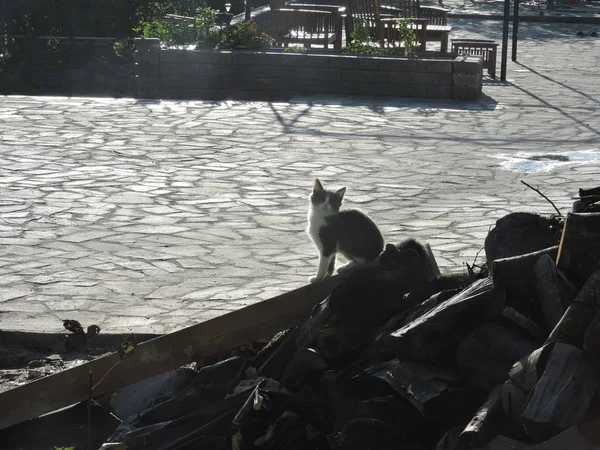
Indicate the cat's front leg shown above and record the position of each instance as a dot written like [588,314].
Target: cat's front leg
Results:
[322,271]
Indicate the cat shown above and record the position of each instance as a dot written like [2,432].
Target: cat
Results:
[351,233]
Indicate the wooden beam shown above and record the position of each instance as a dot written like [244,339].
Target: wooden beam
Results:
[163,353]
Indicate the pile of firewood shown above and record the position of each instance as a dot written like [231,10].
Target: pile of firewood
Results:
[502,356]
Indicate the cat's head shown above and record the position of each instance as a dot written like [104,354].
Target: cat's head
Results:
[326,201]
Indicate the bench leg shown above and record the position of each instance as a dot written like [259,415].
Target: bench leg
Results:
[445,43]
[492,66]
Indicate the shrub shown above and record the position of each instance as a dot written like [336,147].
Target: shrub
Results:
[364,43]
[201,29]
[244,34]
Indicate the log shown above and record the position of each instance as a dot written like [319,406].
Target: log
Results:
[408,253]
[555,293]
[365,433]
[526,372]
[432,261]
[406,317]
[306,363]
[441,329]
[575,321]
[587,205]
[487,422]
[383,347]
[513,401]
[519,233]
[589,192]
[163,353]
[563,395]
[487,354]
[272,359]
[591,338]
[579,251]
[436,393]
[518,271]
[505,443]
[569,439]
[524,323]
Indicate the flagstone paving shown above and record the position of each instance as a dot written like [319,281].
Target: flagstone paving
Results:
[148,216]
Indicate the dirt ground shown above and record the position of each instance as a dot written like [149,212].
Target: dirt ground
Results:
[25,358]
[21,364]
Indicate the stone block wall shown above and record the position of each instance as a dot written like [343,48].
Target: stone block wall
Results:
[276,75]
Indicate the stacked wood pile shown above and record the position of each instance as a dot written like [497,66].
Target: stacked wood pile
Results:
[400,356]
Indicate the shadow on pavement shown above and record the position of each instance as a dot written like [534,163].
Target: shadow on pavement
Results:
[557,108]
[561,84]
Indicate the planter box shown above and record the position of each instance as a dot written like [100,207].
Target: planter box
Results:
[277,75]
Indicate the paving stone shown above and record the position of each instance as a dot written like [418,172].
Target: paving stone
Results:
[199,208]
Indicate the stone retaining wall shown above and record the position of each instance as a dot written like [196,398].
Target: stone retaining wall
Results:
[277,75]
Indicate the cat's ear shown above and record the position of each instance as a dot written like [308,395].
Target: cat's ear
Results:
[318,186]
[340,193]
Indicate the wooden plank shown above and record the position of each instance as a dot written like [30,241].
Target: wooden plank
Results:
[580,246]
[163,353]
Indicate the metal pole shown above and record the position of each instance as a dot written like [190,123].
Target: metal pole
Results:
[505,40]
[248,10]
[515,34]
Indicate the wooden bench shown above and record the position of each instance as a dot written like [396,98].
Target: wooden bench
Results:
[478,47]
[436,29]
[306,23]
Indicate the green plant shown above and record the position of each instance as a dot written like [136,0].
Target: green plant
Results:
[363,43]
[202,28]
[407,35]
[244,34]
[124,50]
[295,49]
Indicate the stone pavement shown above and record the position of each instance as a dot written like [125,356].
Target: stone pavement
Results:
[148,216]
[479,8]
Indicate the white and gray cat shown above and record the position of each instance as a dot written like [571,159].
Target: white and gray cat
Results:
[350,232]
